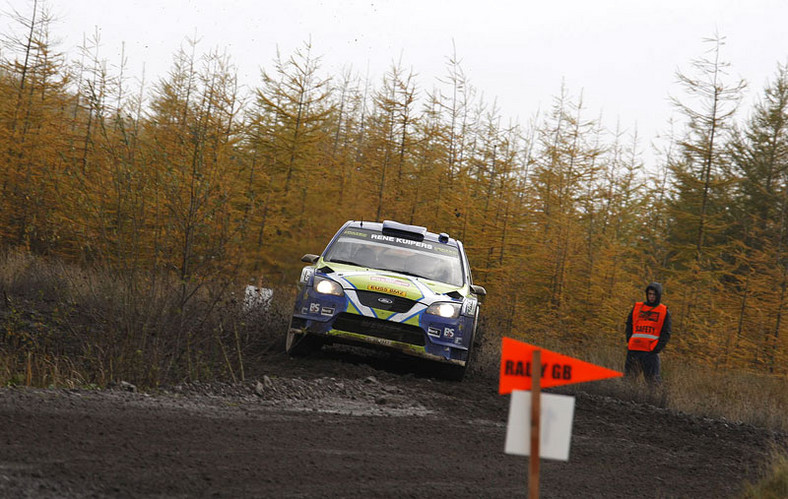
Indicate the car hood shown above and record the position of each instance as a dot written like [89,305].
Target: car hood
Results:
[392,283]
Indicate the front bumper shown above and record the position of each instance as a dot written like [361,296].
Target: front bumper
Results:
[412,332]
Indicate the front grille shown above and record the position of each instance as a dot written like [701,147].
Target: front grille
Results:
[378,328]
[398,304]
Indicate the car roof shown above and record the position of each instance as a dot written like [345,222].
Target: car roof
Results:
[405,230]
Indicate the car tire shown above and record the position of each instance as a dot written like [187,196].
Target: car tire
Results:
[300,344]
[454,372]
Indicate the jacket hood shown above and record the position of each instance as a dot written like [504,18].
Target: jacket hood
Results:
[657,287]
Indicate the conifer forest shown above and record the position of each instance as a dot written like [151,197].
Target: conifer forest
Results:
[197,177]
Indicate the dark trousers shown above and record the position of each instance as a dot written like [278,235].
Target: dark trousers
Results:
[645,362]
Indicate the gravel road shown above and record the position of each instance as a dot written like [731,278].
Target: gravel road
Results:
[336,425]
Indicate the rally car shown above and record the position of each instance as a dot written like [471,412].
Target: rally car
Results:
[391,286]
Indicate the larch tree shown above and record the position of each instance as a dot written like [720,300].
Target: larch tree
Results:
[700,172]
[430,165]
[32,127]
[491,174]
[90,210]
[568,162]
[460,113]
[701,184]
[760,209]
[389,149]
[290,134]
[615,259]
[193,133]
[347,120]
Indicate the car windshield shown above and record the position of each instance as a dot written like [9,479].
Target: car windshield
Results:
[370,249]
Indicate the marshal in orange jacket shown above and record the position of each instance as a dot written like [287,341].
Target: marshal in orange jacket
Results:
[647,325]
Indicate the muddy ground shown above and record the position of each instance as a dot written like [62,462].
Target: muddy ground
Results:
[343,424]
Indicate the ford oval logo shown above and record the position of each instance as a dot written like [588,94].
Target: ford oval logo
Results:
[386,301]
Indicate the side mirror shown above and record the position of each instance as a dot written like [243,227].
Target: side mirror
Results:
[310,258]
[479,290]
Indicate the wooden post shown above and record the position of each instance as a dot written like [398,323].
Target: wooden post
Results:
[536,388]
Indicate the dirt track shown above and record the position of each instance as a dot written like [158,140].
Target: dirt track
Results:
[333,426]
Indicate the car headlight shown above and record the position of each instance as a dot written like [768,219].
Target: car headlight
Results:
[447,310]
[328,287]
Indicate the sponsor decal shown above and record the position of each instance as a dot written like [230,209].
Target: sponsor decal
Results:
[446,251]
[470,307]
[327,311]
[433,332]
[387,290]
[354,233]
[304,310]
[448,332]
[399,240]
[389,280]
[457,340]
[314,308]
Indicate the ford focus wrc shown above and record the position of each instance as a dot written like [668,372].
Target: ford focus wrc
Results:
[391,286]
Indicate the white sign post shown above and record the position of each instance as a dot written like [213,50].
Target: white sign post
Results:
[555,434]
[544,420]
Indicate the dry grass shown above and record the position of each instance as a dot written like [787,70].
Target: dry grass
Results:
[62,325]
[774,484]
[737,396]
[757,399]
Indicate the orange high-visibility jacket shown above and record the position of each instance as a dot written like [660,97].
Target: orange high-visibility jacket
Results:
[646,326]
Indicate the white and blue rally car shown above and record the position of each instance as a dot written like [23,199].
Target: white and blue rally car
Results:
[392,286]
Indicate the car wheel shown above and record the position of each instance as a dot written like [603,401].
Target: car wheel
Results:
[453,372]
[300,344]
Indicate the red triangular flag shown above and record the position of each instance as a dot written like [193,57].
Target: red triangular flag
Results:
[557,369]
